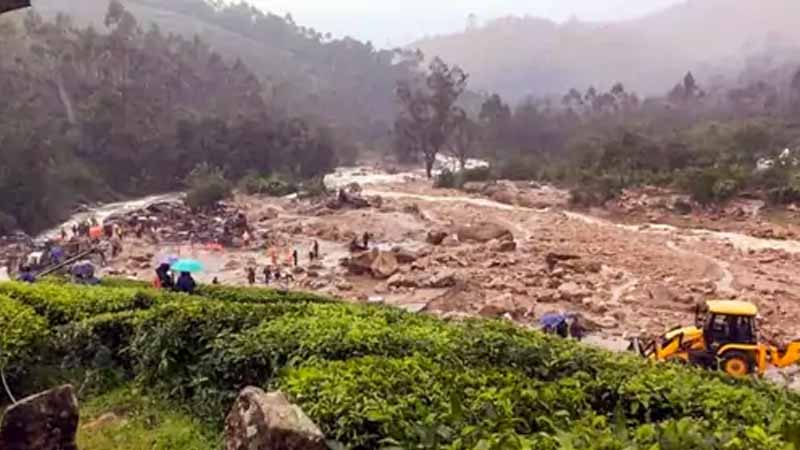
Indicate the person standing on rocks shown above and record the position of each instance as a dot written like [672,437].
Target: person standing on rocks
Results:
[273,254]
[315,250]
[251,275]
[267,274]
[295,258]
[366,240]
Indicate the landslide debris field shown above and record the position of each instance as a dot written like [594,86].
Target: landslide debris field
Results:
[497,250]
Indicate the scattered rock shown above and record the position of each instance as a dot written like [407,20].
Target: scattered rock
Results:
[46,421]
[504,246]
[401,280]
[344,286]
[552,259]
[483,232]
[572,291]
[451,241]
[499,306]
[404,256]
[548,296]
[436,237]
[441,280]
[260,421]
[662,294]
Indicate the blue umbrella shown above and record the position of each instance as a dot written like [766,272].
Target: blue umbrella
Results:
[187,265]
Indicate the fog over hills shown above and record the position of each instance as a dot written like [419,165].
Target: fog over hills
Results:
[526,55]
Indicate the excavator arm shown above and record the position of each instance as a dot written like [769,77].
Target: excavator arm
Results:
[790,355]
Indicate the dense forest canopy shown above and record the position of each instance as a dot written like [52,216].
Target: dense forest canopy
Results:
[303,71]
[90,114]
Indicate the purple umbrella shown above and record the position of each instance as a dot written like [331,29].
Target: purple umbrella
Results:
[169,260]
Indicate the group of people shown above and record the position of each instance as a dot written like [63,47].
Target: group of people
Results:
[165,279]
[273,272]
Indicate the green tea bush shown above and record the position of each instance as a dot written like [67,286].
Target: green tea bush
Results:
[377,377]
[61,304]
[419,403]
[257,295]
[21,332]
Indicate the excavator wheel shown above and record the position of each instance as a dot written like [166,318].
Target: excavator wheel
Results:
[737,364]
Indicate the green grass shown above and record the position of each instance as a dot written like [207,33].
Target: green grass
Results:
[142,423]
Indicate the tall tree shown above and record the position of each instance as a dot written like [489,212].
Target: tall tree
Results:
[430,111]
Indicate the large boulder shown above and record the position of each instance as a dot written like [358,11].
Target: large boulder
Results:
[436,237]
[484,232]
[46,421]
[261,421]
[384,265]
[441,280]
[400,280]
[361,264]
[404,256]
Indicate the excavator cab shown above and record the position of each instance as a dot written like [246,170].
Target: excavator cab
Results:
[730,337]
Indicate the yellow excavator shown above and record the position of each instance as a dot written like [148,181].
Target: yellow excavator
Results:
[724,337]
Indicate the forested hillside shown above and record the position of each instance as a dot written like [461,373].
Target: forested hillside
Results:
[90,113]
[303,71]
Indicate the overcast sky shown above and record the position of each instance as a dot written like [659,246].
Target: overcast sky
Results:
[398,22]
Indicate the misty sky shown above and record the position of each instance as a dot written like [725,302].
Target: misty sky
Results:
[398,22]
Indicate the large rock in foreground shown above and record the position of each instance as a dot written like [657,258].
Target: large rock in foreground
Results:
[46,421]
[261,421]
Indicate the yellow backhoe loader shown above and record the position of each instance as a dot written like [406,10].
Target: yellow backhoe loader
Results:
[724,338]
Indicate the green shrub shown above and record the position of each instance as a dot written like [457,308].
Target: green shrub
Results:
[447,180]
[272,185]
[711,185]
[206,186]
[595,190]
[518,168]
[21,332]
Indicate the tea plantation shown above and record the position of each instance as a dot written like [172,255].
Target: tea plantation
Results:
[371,377]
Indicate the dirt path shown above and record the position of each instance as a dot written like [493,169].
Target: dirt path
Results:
[720,268]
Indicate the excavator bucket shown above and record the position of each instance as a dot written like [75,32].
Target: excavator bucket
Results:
[12,5]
